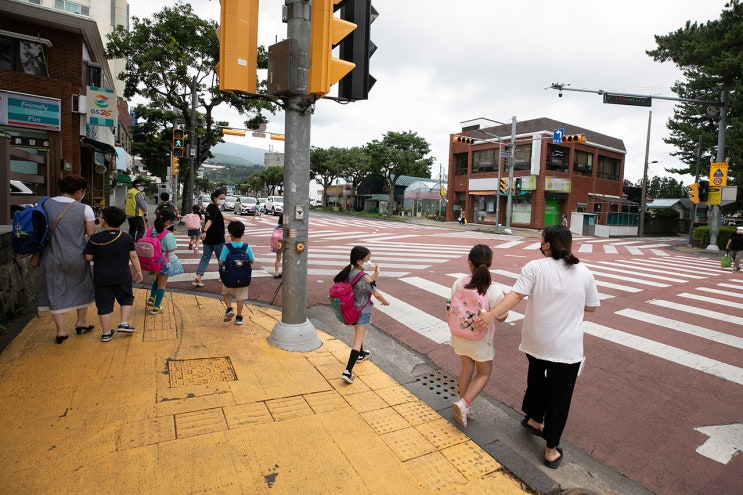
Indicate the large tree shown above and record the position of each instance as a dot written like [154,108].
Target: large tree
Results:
[711,59]
[164,54]
[399,153]
[325,168]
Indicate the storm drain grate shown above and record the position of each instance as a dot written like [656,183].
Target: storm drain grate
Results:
[200,371]
[440,384]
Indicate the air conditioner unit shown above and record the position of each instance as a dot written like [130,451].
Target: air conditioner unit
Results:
[79,104]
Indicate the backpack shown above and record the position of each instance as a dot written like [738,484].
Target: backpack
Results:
[342,300]
[276,238]
[164,206]
[236,269]
[465,306]
[30,229]
[150,251]
[193,221]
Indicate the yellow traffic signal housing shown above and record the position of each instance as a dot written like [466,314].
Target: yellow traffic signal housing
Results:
[233,132]
[693,192]
[179,138]
[174,166]
[504,186]
[326,31]
[574,138]
[462,139]
[278,137]
[238,45]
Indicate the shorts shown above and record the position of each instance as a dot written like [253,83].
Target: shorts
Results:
[364,319]
[105,295]
[239,293]
[194,233]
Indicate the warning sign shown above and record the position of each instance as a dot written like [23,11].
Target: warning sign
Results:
[718,174]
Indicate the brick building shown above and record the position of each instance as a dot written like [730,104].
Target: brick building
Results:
[550,180]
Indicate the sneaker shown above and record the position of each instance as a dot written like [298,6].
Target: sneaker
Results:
[460,412]
[346,377]
[156,310]
[107,336]
[228,314]
[125,328]
[363,356]
[151,301]
[196,251]
[238,320]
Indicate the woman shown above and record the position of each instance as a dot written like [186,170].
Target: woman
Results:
[212,235]
[362,292]
[560,291]
[65,278]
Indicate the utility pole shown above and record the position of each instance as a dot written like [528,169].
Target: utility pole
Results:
[714,222]
[295,332]
[509,203]
[644,196]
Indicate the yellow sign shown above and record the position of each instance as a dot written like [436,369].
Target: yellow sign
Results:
[718,174]
[443,192]
[714,195]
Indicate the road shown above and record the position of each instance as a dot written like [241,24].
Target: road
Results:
[660,398]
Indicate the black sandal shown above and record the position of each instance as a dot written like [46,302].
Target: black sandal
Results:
[87,329]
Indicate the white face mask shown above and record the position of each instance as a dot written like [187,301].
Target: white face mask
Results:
[220,202]
[140,188]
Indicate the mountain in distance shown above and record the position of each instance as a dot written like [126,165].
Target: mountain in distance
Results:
[237,154]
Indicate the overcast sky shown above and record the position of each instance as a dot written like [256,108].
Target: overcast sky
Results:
[439,63]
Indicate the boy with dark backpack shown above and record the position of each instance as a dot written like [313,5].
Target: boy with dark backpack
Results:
[235,271]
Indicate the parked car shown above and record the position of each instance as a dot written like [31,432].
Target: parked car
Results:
[245,205]
[275,205]
[261,205]
[229,203]
[204,200]
[315,202]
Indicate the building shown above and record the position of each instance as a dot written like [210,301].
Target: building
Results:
[551,179]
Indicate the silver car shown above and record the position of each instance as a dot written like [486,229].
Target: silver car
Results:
[245,205]
[229,203]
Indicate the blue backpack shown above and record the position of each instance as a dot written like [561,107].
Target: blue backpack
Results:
[236,269]
[30,229]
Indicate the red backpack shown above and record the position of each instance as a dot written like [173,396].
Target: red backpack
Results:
[344,305]
[150,251]
[465,306]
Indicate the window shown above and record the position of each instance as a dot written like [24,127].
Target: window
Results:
[522,159]
[558,158]
[23,55]
[583,164]
[73,7]
[460,164]
[485,161]
[93,76]
[35,2]
[608,168]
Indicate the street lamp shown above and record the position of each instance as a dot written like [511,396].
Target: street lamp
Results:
[643,199]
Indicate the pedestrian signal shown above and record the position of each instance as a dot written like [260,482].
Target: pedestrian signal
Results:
[517,186]
[703,190]
[574,138]
[178,142]
[463,139]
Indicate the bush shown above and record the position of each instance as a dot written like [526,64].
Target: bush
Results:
[702,233]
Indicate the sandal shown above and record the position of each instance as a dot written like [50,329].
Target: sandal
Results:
[87,329]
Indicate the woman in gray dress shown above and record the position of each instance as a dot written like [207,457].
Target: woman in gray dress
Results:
[65,278]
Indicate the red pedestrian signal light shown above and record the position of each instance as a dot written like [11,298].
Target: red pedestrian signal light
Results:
[574,138]
[693,193]
[463,140]
[178,142]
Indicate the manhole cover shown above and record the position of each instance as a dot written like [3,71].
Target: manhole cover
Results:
[200,371]
[439,384]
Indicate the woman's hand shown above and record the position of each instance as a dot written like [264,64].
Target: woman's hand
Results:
[483,321]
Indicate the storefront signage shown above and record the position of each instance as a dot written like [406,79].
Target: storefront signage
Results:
[101,106]
[557,184]
[35,112]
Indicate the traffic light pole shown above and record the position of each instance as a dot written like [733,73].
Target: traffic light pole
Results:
[714,222]
[693,215]
[295,332]
[509,203]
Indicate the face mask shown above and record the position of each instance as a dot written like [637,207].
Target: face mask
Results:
[220,202]
[140,188]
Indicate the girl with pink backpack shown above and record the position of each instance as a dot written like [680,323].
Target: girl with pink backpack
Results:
[193,226]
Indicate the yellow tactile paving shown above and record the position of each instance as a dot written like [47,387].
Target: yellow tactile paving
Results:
[191,404]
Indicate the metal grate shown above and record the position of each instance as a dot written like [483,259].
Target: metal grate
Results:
[440,384]
[200,371]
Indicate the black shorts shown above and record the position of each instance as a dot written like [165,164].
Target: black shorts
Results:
[105,295]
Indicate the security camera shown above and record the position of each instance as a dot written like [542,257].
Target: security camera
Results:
[559,94]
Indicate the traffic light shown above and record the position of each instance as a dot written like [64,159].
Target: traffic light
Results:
[504,186]
[238,45]
[357,49]
[693,193]
[574,138]
[326,31]
[233,132]
[517,186]
[462,139]
[178,142]
[174,166]
[703,190]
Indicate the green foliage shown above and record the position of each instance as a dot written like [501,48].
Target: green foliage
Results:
[702,233]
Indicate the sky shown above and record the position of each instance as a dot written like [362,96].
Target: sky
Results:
[439,63]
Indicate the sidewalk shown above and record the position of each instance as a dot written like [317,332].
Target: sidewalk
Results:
[190,404]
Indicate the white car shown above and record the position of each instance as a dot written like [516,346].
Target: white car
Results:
[261,205]
[229,203]
[245,205]
[204,200]
[275,205]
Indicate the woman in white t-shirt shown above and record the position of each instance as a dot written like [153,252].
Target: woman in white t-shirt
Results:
[560,291]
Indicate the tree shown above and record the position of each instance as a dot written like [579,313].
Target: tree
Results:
[273,177]
[325,168]
[164,55]
[355,165]
[399,153]
[711,59]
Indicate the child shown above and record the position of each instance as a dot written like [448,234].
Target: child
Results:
[111,250]
[193,226]
[362,292]
[276,237]
[164,220]
[476,355]
[236,230]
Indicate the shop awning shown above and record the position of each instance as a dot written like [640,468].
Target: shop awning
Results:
[483,193]
[123,178]
[92,144]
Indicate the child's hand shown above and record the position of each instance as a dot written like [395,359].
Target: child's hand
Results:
[376,269]
[137,277]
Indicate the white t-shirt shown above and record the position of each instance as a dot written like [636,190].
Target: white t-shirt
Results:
[553,324]
[478,350]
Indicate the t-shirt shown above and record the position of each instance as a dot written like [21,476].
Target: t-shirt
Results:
[362,291]
[168,242]
[215,234]
[239,245]
[736,242]
[110,249]
[553,323]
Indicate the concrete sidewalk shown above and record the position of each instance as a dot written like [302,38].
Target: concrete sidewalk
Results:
[191,404]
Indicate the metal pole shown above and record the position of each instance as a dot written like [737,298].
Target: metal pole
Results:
[694,205]
[643,198]
[714,222]
[193,151]
[295,332]
[497,191]
[509,204]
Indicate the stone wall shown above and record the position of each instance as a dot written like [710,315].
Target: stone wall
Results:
[18,281]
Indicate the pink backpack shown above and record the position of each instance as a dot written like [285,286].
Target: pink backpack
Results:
[150,251]
[276,238]
[465,306]
[193,221]
[344,305]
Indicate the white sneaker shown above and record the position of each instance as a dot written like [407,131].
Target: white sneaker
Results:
[461,409]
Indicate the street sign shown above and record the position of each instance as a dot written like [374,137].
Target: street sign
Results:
[718,174]
[504,154]
[557,135]
[637,101]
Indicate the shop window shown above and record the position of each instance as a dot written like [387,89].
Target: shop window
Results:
[558,158]
[485,161]
[460,164]
[522,159]
[583,163]
[608,168]
[23,55]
